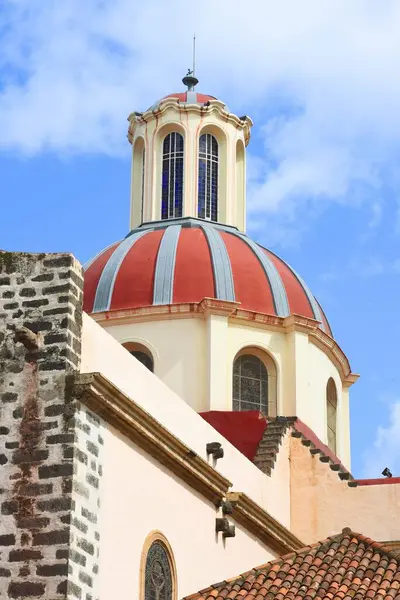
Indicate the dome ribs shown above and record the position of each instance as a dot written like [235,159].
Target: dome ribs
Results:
[165,266]
[299,300]
[252,287]
[93,271]
[135,281]
[193,277]
[183,261]
[274,279]
[222,268]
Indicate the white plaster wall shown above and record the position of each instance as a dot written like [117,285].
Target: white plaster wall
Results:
[102,353]
[154,499]
[179,350]
[311,403]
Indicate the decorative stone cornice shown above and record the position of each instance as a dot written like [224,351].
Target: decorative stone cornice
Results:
[211,306]
[120,411]
[250,515]
[292,323]
[213,106]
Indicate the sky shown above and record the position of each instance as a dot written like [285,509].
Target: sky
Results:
[320,81]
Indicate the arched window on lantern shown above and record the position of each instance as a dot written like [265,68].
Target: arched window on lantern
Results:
[331,414]
[250,384]
[208,178]
[172,176]
[158,575]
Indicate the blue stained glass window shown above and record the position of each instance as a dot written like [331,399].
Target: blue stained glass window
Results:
[172,176]
[208,178]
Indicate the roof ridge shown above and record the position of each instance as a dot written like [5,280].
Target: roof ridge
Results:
[266,567]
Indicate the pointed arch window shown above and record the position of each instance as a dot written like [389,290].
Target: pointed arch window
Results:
[250,384]
[172,176]
[208,178]
[158,574]
[331,414]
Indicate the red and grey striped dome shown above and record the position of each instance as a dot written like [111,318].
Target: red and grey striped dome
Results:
[187,260]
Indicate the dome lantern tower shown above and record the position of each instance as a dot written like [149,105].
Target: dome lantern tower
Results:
[188,160]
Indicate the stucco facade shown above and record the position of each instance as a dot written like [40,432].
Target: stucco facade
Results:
[194,367]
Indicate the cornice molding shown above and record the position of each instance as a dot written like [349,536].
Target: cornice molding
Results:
[232,310]
[214,106]
[250,515]
[120,411]
[130,419]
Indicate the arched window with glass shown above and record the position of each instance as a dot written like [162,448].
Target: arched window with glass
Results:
[158,578]
[331,414]
[250,384]
[172,176]
[208,178]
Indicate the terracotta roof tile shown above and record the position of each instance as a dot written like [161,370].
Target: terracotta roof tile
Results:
[348,566]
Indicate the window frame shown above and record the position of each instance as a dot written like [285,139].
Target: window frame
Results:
[210,163]
[157,536]
[263,379]
[170,207]
[331,414]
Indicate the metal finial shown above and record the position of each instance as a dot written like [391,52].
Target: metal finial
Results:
[190,80]
[194,54]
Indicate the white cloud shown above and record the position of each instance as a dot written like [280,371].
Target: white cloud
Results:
[70,73]
[385,450]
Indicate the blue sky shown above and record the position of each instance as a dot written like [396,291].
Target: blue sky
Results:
[320,82]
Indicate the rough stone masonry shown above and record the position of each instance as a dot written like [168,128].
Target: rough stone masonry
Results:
[50,445]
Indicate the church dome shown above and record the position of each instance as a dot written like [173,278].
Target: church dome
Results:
[187,260]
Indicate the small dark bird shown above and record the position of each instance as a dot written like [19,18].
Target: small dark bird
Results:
[386,472]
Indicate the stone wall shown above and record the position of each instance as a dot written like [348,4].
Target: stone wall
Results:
[47,550]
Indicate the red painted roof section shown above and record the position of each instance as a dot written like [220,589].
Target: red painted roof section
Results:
[182,97]
[251,285]
[298,301]
[193,279]
[92,276]
[243,429]
[134,284]
[380,481]
[310,435]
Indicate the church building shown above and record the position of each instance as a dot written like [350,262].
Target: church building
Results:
[174,415]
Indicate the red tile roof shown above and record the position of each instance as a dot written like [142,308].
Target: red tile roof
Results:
[348,566]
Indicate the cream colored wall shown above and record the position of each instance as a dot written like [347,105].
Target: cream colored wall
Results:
[322,504]
[313,406]
[179,349]
[191,125]
[102,353]
[271,342]
[194,357]
[154,499]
